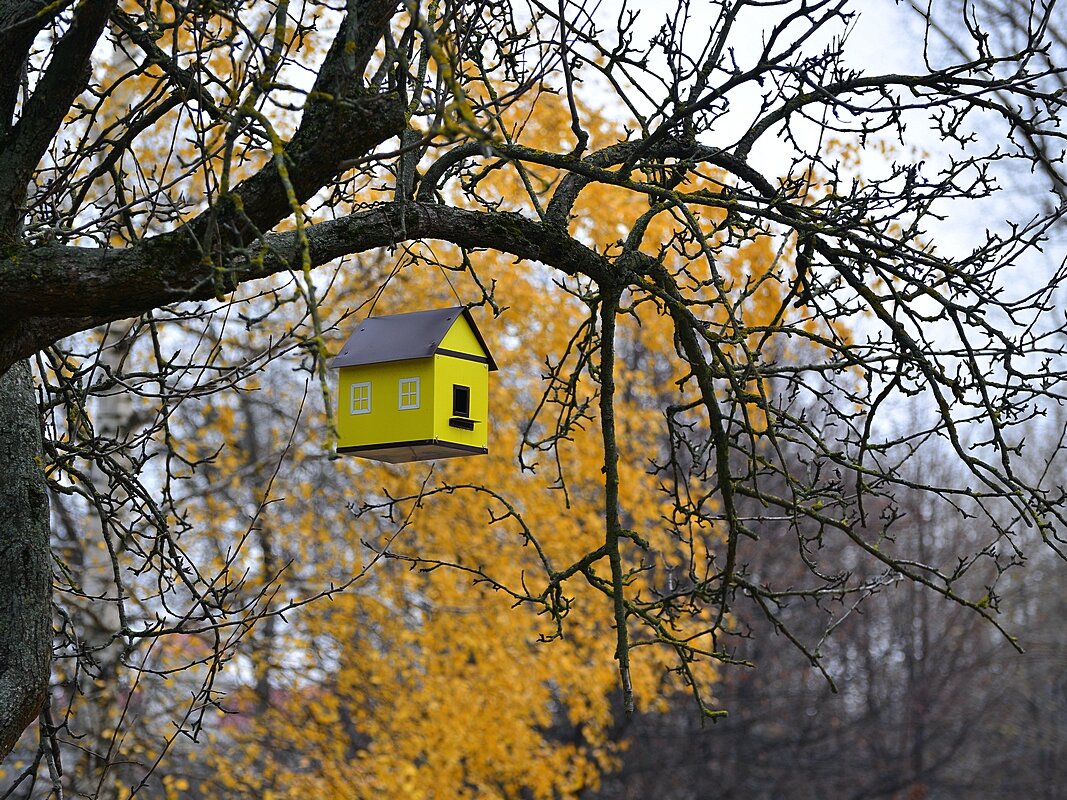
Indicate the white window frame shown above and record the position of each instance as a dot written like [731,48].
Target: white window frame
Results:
[408,387]
[359,401]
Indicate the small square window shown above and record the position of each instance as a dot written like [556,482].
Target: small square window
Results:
[409,393]
[461,408]
[461,400]
[359,399]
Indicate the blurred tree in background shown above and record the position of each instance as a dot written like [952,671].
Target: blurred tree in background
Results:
[754,391]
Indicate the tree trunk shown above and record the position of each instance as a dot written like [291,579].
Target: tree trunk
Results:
[25,577]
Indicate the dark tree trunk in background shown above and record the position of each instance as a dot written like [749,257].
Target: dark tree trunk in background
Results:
[26,579]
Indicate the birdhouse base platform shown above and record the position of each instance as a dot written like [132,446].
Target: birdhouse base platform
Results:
[401,452]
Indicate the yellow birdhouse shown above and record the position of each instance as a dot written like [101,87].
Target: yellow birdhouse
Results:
[414,386]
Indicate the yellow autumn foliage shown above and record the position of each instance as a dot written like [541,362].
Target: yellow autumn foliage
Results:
[429,677]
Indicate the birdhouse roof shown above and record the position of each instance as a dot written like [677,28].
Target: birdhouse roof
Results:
[399,337]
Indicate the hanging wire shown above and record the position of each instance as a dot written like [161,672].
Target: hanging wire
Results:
[381,289]
[448,280]
[401,264]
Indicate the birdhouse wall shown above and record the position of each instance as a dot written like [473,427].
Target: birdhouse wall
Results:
[383,420]
[450,372]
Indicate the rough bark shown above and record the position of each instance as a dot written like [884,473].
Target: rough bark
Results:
[26,580]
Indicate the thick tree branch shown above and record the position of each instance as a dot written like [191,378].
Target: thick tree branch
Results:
[327,136]
[20,22]
[66,77]
[55,291]
[342,121]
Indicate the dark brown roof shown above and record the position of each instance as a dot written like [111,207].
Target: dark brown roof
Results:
[398,337]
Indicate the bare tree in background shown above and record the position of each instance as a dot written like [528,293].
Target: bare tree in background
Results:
[776,433]
[926,697]
[985,28]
